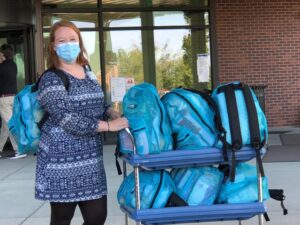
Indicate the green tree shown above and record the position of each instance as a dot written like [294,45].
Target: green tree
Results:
[172,71]
[130,63]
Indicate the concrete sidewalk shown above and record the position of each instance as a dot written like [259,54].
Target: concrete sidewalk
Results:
[18,206]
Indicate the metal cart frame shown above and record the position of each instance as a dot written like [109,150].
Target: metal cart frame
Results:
[187,214]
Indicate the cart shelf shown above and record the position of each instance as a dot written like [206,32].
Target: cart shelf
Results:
[184,158]
[186,214]
[189,214]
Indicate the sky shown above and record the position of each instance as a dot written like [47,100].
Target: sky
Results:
[131,39]
[128,40]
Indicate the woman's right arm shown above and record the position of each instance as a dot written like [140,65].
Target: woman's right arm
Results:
[54,99]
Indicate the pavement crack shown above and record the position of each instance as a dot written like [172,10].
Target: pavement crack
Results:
[15,171]
[31,214]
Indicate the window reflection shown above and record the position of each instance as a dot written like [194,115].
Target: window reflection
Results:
[123,59]
[122,19]
[91,43]
[120,4]
[153,3]
[16,41]
[81,20]
[179,3]
[179,18]
[176,54]
[69,4]
[145,45]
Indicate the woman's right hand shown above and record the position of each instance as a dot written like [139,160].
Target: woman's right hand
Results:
[118,124]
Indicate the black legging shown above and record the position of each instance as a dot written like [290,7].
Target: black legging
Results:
[94,212]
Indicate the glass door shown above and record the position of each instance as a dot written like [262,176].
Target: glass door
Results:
[16,39]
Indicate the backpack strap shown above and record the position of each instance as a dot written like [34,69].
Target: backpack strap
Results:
[278,194]
[158,188]
[58,72]
[235,127]
[212,104]
[118,154]
[233,116]
[218,123]
[266,216]
[157,100]
[87,67]
[253,126]
[175,200]
[61,74]
[234,124]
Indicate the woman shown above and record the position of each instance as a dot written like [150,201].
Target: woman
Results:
[70,169]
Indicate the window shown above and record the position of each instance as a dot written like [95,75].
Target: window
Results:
[164,42]
[64,4]
[121,19]
[81,20]
[88,23]
[123,58]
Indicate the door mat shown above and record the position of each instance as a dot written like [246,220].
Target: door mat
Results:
[290,139]
[282,153]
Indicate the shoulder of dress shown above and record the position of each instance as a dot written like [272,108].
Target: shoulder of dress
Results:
[49,75]
[49,78]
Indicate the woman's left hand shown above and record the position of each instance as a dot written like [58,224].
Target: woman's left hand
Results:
[117,124]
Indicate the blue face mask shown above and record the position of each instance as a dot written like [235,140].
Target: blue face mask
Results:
[68,51]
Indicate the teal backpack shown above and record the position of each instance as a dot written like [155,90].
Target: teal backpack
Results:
[194,119]
[243,120]
[28,117]
[244,188]
[148,121]
[197,185]
[157,190]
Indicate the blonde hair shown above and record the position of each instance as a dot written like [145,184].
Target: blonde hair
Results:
[53,60]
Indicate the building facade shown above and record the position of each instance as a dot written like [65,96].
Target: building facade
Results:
[170,43]
[258,43]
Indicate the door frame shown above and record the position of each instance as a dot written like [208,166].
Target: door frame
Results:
[29,54]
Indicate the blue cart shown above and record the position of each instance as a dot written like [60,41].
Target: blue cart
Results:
[189,214]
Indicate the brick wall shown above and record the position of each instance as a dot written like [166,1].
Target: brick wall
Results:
[258,42]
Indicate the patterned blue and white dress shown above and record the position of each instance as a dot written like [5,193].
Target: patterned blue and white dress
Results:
[70,159]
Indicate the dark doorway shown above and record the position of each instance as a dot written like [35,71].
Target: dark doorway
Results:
[21,40]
